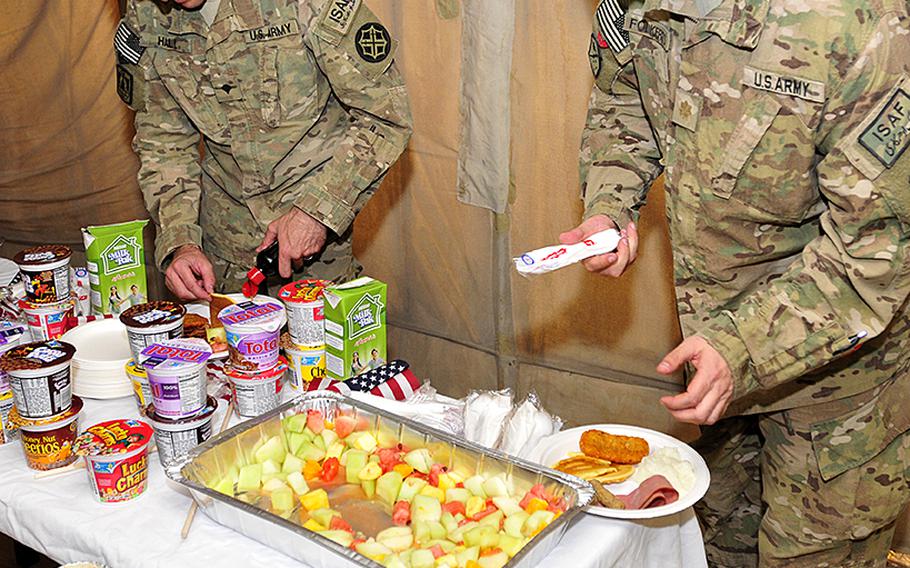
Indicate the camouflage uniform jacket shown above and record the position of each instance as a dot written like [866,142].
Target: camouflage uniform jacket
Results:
[781,127]
[297,103]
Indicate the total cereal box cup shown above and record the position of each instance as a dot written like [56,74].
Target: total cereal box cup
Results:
[152,322]
[175,438]
[47,321]
[45,272]
[116,458]
[39,374]
[252,333]
[48,443]
[256,393]
[176,374]
[142,390]
[306,363]
[303,301]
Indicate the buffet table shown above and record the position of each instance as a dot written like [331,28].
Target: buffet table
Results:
[60,518]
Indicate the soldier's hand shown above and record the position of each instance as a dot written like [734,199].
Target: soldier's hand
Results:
[299,236]
[710,390]
[190,275]
[612,263]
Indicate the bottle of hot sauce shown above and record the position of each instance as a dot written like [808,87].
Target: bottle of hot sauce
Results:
[266,266]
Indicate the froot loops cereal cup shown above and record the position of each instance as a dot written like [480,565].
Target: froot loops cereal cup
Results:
[152,322]
[46,273]
[256,393]
[176,374]
[39,374]
[175,438]
[252,334]
[303,300]
[48,442]
[142,390]
[47,321]
[116,458]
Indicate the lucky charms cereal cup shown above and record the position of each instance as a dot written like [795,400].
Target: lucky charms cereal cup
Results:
[48,442]
[175,438]
[303,300]
[252,330]
[305,363]
[47,321]
[176,374]
[256,393]
[152,322]
[142,390]
[116,458]
[39,374]
[46,273]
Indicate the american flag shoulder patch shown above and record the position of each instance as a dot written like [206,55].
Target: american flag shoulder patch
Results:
[127,45]
[610,20]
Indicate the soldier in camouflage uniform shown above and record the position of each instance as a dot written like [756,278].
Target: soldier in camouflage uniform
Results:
[300,111]
[781,127]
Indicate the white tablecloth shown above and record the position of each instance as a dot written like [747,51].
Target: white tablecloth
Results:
[60,518]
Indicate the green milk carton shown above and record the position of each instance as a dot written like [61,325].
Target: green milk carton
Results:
[115,256]
[355,334]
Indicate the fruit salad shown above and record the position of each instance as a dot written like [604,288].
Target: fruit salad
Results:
[393,504]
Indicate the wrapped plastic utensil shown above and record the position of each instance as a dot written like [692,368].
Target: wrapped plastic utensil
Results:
[552,258]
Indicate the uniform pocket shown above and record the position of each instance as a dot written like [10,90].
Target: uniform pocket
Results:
[743,142]
[185,79]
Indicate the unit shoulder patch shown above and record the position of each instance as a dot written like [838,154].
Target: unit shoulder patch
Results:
[373,42]
[594,56]
[888,135]
[338,15]
[783,85]
[125,84]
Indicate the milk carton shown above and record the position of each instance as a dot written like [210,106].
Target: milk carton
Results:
[116,264]
[355,333]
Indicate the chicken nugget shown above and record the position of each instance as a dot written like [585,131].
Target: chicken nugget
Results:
[617,449]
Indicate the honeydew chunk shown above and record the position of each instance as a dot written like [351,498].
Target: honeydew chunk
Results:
[513,524]
[459,494]
[344,538]
[394,561]
[273,485]
[329,437]
[310,452]
[495,560]
[370,472]
[419,459]
[282,499]
[372,549]
[233,473]
[369,488]
[298,483]
[225,486]
[397,539]
[362,441]
[425,508]
[422,558]
[388,486]
[508,505]
[355,461]
[434,492]
[291,464]
[273,449]
[319,443]
[536,522]
[250,477]
[467,555]
[483,536]
[296,442]
[510,544]
[334,450]
[493,519]
[447,560]
[496,487]
[457,536]
[411,487]
[324,516]
[270,466]
[474,484]
[446,482]
[295,423]
[446,545]
[448,521]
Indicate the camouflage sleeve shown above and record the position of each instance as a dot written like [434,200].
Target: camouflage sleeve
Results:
[848,284]
[356,53]
[619,157]
[165,141]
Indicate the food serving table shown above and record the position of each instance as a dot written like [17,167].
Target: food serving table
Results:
[60,518]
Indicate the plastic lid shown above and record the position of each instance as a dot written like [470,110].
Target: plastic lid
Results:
[151,314]
[36,355]
[303,291]
[18,421]
[40,255]
[211,404]
[267,314]
[176,354]
[275,371]
[61,306]
[11,334]
[113,437]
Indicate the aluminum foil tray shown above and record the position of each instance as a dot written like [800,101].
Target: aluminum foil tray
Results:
[210,461]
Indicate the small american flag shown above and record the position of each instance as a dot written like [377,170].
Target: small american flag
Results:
[610,18]
[393,380]
[126,44]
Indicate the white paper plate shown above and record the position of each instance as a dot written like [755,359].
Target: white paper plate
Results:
[558,446]
[102,351]
[202,309]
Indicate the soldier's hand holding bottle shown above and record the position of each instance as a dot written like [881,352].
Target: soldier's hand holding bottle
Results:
[190,275]
[613,263]
[299,236]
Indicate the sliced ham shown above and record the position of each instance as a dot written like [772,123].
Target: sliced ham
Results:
[654,491]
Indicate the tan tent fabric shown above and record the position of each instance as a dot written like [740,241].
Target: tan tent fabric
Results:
[65,157]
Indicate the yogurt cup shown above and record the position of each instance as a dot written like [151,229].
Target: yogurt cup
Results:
[256,393]
[176,374]
[303,301]
[48,443]
[306,363]
[8,432]
[152,322]
[175,438]
[47,321]
[142,390]
[253,329]
[39,374]
[116,458]
[45,272]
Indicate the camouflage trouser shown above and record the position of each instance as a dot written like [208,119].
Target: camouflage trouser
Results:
[336,263]
[817,486]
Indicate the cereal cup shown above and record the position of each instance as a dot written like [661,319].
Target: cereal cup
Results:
[176,374]
[116,458]
[8,432]
[306,363]
[152,322]
[142,390]
[47,321]
[256,393]
[48,443]
[175,438]
[252,333]
[303,301]
[39,374]
[11,335]
[46,273]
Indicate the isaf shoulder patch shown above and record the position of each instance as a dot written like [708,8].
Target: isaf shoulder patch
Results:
[888,136]
[338,15]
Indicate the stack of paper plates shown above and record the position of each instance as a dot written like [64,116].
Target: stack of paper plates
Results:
[9,270]
[102,351]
